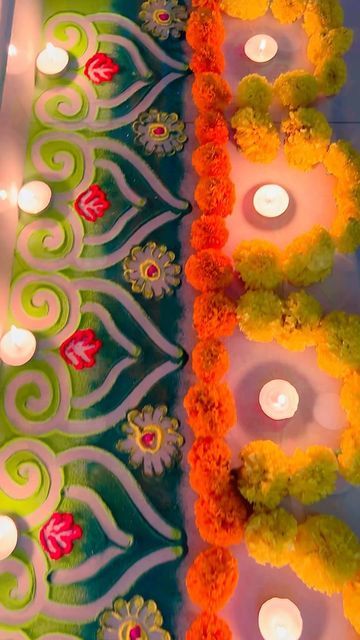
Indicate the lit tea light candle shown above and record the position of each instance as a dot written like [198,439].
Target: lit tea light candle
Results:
[52,61]
[280,619]
[34,197]
[279,400]
[271,200]
[261,48]
[8,537]
[17,346]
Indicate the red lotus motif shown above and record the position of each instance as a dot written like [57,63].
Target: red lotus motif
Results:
[79,350]
[100,68]
[58,534]
[92,203]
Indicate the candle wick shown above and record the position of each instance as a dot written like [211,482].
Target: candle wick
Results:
[262,45]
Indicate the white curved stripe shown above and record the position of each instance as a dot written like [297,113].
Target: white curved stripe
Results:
[73,33]
[134,308]
[116,101]
[84,402]
[108,260]
[132,50]
[146,102]
[18,569]
[119,225]
[110,326]
[108,144]
[11,634]
[144,38]
[86,612]
[97,507]
[127,481]
[87,569]
[120,180]
[90,426]
[58,636]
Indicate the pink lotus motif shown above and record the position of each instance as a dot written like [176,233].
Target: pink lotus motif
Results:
[100,68]
[92,203]
[58,534]
[79,350]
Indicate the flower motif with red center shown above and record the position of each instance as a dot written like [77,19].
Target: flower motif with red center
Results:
[152,439]
[101,68]
[151,270]
[58,534]
[92,203]
[163,18]
[160,132]
[132,620]
[80,349]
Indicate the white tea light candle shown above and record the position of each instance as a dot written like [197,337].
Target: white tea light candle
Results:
[271,200]
[8,537]
[52,61]
[261,48]
[17,346]
[279,399]
[34,197]
[280,619]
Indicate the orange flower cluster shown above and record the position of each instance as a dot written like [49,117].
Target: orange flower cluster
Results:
[220,511]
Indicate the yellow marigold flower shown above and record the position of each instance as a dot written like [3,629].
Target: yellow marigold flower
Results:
[270,537]
[259,315]
[338,348]
[307,137]
[327,554]
[346,234]
[256,135]
[312,474]
[254,91]
[258,263]
[350,398]
[300,321]
[343,162]
[327,44]
[309,257]
[349,456]
[296,88]
[287,11]
[351,603]
[263,473]
[322,14]
[245,9]
[331,75]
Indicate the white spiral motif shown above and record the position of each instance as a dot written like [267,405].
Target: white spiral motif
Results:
[53,236]
[66,30]
[75,106]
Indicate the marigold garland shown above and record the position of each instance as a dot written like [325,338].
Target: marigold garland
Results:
[259,315]
[331,75]
[210,91]
[208,232]
[320,15]
[307,137]
[296,88]
[211,126]
[309,257]
[351,603]
[208,627]
[215,196]
[210,409]
[338,349]
[255,135]
[270,537]
[214,315]
[328,44]
[349,456]
[246,9]
[209,459]
[212,578]
[210,360]
[288,11]
[204,26]
[207,58]
[221,519]
[350,398]
[211,160]
[254,91]
[209,270]
[313,474]
[263,474]
[300,322]
[259,264]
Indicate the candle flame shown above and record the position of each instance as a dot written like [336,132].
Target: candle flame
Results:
[12,50]
[16,336]
[50,47]
[3,194]
[262,45]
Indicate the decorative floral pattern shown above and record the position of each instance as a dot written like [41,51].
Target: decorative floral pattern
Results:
[152,441]
[58,534]
[160,133]
[151,270]
[100,68]
[163,18]
[132,620]
[92,203]
[80,349]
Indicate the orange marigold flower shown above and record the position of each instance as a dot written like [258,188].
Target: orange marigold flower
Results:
[211,160]
[214,315]
[215,196]
[221,519]
[212,578]
[208,626]
[210,126]
[208,232]
[209,460]
[210,360]
[207,58]
[351,602]
[210,4]
[211,91]
[205,26]
[210,409]
[209,270]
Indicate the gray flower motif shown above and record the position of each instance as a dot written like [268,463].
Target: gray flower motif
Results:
[163,18]
[160,132]
[151,270]
[152,440]
[132,619]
